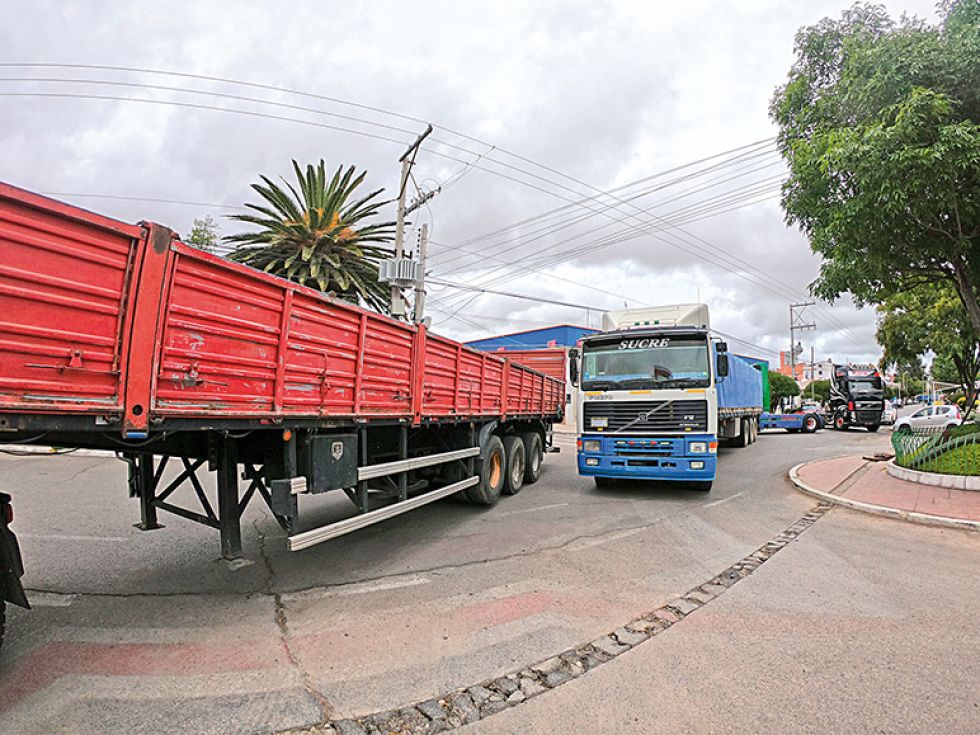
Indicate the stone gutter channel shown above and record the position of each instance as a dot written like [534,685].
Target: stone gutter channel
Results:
[470,704]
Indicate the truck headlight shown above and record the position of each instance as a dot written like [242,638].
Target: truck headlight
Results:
[592,462]
[599,422]
[698,447]
[592,445]
[697,465]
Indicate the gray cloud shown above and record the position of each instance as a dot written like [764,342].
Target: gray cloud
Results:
[604,92]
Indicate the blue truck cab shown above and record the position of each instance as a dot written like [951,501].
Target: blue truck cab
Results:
[657,394]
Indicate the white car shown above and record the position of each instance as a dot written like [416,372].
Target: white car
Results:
[931,417]
[889,415]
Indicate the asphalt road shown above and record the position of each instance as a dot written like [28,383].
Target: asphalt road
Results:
[128,623]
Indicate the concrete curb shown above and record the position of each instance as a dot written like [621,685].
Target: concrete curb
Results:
[881,510]
[954,482]
[19,449]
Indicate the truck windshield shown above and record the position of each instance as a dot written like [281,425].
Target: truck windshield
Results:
[865,387]
[646,362]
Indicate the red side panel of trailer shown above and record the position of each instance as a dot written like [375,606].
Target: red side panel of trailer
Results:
[65,276]
[104,317]
[552,361]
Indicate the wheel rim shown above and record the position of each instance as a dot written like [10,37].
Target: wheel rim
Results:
[517,471]
[810,424]
[495,469]
[535,462]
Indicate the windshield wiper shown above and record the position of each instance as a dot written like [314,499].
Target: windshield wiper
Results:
[680,382]
[599,385]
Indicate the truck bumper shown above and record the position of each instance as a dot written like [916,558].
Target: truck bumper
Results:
[648,458]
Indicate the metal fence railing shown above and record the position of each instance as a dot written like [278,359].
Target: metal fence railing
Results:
[937,450]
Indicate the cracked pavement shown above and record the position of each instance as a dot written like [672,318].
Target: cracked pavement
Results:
[141,629]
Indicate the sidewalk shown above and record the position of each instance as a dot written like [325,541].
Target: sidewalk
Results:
[860,484]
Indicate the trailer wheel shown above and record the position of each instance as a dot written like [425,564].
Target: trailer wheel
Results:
[810,424]
[742,440]
[516,464]
[533,456]
[492,474]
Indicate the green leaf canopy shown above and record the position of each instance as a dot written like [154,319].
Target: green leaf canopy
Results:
[319,235]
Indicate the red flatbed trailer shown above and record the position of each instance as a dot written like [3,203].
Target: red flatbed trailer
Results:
[118,336]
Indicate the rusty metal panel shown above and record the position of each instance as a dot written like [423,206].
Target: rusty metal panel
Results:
[96,315]
[64,275]
[219,341]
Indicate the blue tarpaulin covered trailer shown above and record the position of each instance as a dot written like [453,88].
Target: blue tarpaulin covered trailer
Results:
[742,387]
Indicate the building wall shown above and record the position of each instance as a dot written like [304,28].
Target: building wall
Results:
[560,335]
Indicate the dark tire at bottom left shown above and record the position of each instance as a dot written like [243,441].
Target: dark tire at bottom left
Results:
[492,474]
[3,619]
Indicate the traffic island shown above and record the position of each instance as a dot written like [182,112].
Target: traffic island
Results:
[865,485]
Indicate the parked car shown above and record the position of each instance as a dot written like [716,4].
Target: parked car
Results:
[931,417]
[889,415]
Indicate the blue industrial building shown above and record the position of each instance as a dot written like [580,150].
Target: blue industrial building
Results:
[560,335]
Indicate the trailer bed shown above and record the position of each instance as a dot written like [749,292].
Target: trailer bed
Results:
[127,329]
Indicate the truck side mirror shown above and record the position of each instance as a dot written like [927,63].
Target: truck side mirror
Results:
[573,366]
[722,367]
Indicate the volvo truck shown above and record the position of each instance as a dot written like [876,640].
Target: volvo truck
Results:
[658,394]
[857,397]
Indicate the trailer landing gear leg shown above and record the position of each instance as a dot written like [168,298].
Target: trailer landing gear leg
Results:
[142,469]
[229,512]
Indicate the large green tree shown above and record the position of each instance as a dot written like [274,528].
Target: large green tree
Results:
[781,387]
[930,318]
[878,123]
[320,235]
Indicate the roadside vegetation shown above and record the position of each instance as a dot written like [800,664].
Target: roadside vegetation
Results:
[879,125]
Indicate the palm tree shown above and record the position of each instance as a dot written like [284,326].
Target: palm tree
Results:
[315,237]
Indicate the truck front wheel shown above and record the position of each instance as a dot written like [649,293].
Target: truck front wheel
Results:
[873,428]
[516,464]
[492,474]
[840,423]
[702,485]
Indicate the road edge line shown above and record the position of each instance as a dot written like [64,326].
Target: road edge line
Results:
[910,516]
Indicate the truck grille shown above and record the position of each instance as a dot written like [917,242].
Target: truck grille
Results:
[676,416]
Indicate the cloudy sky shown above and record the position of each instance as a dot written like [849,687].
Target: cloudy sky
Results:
[589,153]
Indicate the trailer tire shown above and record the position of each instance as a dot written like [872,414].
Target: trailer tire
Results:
[534,456]
[516,456]
[810,424]
[493,468]
[742,440]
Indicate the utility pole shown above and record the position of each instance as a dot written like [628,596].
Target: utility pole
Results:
[420,284]
[797,323]
[813,377]
[398,275]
